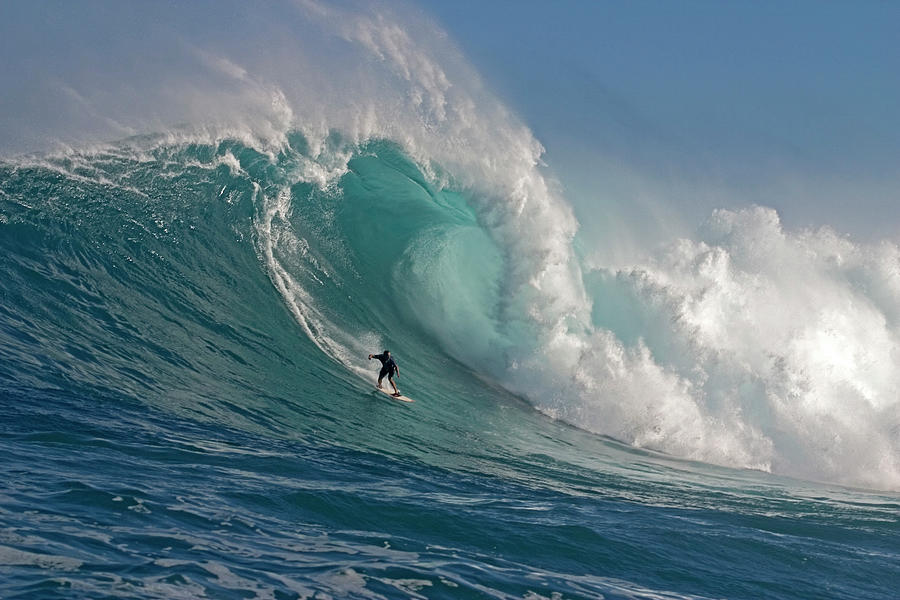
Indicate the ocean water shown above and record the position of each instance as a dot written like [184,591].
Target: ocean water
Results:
[188,411]
[191,280]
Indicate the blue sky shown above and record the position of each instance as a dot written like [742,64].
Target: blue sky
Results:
[794,105]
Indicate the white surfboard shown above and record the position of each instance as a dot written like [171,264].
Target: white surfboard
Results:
[391,395]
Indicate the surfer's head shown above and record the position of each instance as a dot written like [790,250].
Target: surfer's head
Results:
[388,352]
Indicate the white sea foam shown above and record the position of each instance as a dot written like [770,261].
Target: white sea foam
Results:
[776,349]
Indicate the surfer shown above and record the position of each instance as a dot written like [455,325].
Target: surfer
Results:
[389,368]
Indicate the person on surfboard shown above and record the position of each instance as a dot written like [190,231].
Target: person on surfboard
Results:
[389,368]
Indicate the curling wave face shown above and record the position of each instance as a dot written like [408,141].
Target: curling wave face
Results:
[750,346]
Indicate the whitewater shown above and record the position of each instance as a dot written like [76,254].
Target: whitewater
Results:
[187,310]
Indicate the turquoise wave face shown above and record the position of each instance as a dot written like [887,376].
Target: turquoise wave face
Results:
[148,269]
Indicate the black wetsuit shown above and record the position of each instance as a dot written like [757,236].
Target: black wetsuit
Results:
[388,366]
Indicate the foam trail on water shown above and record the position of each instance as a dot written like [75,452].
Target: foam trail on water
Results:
[287,255]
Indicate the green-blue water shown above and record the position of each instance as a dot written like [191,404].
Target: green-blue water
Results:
[187,410]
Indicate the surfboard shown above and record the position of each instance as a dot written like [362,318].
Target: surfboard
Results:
[391,395]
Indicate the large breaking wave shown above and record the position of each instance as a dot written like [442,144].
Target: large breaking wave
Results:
[419,211]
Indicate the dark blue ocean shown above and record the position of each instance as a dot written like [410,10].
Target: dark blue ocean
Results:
[186,410]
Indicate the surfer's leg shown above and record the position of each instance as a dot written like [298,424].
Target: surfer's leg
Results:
[381,375]
[391,379]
